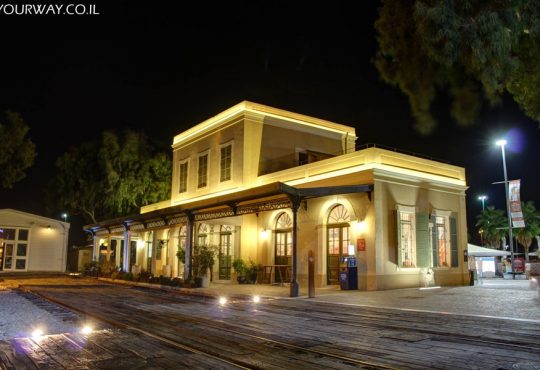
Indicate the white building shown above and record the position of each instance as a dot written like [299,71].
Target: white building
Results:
[30,242]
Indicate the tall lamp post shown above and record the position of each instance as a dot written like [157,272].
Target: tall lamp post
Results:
[64,216]
[483,199]
[502,144]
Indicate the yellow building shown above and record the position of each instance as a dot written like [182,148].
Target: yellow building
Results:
[254,178]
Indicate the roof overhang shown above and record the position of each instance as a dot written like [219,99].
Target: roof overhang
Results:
[276,195]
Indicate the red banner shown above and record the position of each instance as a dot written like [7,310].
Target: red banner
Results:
[515,204]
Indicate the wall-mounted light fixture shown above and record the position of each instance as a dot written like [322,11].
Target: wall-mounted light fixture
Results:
[264,234]
[360,226]
[140,243]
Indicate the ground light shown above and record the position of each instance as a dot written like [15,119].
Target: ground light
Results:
[222,301]
[87,329]
[256,299]
[37,334]
[430,287]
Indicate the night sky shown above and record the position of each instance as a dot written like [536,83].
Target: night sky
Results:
[164,67]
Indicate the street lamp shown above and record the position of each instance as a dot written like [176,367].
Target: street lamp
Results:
[64,216]
[502,143]
[483,199]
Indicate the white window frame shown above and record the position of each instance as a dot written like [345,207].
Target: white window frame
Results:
[15,242]
[401,209]
[445,215]
[231,144]
[202,154]
[180,163]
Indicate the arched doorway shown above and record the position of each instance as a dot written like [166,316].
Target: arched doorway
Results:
[283,246]
[337,241]
[202,235]
[225,245]
[181,237]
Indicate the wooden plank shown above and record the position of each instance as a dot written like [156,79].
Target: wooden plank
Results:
[35,353]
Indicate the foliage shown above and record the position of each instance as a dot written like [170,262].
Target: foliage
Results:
[471,50]
[18,151]
[525,235]
[247,272]
[491,223]
[202,260]
[110,177]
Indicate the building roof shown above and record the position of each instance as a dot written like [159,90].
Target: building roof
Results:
[477,251]
[32,215]
[250,107]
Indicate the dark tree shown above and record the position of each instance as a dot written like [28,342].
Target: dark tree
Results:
[474,51]
[110,177]
[18,151]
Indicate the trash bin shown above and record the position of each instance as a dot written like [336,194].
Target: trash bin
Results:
[348,273]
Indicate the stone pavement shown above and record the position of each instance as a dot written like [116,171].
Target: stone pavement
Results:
[493,297]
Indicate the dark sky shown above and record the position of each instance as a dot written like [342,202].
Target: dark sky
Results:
[164,66]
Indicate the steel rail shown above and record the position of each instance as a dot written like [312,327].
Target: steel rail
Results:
[208,323]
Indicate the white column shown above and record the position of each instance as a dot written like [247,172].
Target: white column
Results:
[127,249]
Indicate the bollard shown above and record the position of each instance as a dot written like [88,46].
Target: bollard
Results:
[311,275]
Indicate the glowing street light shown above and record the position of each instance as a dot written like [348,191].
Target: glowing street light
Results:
[483,199]
[502,144]
[64,216]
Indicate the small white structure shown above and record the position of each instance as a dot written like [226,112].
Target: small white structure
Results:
[30,242]
[485,259]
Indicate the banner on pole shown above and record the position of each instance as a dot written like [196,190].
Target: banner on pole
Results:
[515,204]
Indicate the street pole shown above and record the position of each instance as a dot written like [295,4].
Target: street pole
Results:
[483,199]
[502,143]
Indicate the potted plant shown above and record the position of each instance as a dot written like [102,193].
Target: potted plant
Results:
[252,271]
[202,260]
[239,266]
[246,272]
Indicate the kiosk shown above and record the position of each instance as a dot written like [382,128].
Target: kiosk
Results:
[348,273]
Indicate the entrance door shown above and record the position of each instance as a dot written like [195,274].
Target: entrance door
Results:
[283,256]
[338,241]
[225,253]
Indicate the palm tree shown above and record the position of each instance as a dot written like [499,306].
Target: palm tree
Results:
[525,235]
[490,224]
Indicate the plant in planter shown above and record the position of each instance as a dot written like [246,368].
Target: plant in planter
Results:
[246,272]
[240,267]
[202,260]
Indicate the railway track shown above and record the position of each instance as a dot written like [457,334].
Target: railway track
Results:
[485,336]
[374,319]
[340,360]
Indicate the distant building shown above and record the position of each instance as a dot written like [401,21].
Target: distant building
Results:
[251,178]
[30,242]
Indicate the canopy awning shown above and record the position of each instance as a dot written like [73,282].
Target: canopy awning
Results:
[477,251]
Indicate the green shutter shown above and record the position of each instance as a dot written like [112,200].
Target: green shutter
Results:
[422,240]
[399,246]
[434,241]
[454,242]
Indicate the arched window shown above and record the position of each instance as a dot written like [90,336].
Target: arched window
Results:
[202,235]
[283,244]
[225,252]
[338,238]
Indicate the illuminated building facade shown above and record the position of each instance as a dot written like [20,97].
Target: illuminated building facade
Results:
[30,242]
[256,182]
